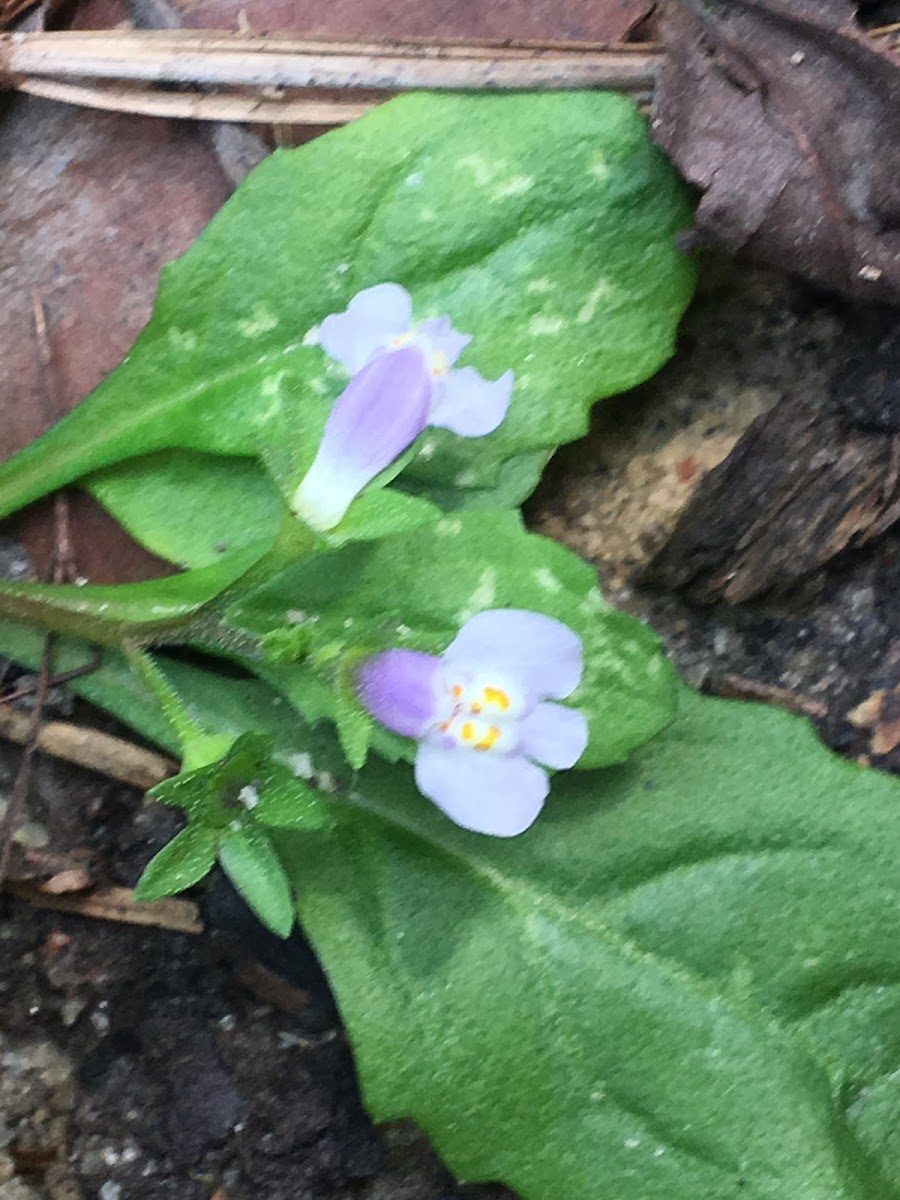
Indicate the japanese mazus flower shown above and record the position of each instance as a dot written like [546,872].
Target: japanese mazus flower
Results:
[485,716]
[403,380]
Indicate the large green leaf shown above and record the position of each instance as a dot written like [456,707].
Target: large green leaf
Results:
[418,588]
[680,984]
[541,224]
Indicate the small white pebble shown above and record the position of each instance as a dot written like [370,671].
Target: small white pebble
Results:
[632,1143]
[870,274]
[798,57]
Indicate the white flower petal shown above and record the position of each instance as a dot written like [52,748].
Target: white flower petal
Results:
[498,794]
[540,653]
[372,319]
[554,735]
[470,405]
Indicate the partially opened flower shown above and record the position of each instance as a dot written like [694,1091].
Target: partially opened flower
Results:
[484,716]
[380,412]
[403,380]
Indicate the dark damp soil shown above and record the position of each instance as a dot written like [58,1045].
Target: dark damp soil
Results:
[145,1064]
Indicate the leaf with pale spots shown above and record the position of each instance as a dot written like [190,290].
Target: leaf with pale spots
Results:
[556,254]
[680,981]
[417,590]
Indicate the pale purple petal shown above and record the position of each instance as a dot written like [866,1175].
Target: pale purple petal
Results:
[398,687]
[381,412]
[554,735]
[372,318]
[500,794]
[443,338]
[540,653]
[468,404]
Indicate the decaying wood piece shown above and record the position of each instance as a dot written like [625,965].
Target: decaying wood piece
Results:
[268,79]
[798,488]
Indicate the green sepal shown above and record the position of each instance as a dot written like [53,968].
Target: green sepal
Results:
[180,864]
[247,858]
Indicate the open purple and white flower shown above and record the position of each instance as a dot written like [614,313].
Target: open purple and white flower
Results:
[484,716]
[403,381]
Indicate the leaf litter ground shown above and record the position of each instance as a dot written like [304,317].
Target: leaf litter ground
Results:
[104,1021]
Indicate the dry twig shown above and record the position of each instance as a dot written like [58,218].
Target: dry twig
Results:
[241,78]
[116,904]
[101,752]
[19,793]
[738,687]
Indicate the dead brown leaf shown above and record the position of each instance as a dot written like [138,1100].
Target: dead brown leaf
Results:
[879,715]
[787,115]
[93,204]
[520,20]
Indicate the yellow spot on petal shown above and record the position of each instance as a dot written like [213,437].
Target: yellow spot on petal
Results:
[457,690]
[489,738]
[468,731]
[495,695]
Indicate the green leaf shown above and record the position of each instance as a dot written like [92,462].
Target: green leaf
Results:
[211,793]
[418,589]
[680,982]
[354,725]
[557,255]
[112,613]
[180,864]
[288,802]
[191,508]
[247,858]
